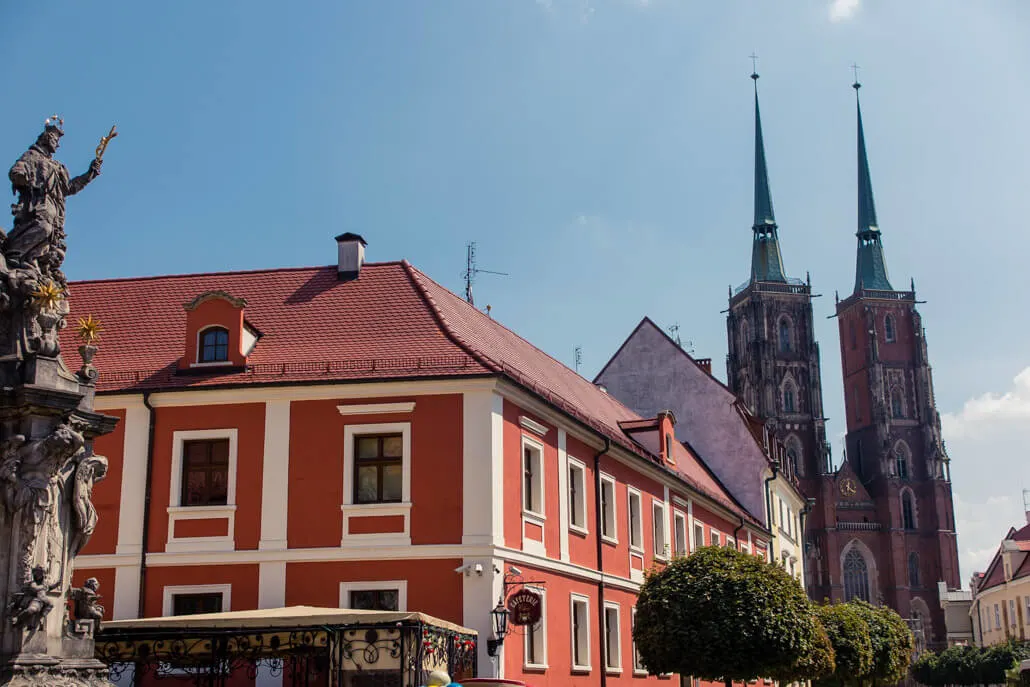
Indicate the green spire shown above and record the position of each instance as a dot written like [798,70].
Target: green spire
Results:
[766,261]
[870,267]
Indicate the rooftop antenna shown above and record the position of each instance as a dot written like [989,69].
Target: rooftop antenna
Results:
[674,330]
[1026,504]
[577,356]
[471,270]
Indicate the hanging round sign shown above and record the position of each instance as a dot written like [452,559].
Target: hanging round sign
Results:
[524,606]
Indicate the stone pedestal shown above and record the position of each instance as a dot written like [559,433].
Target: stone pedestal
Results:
[47,471]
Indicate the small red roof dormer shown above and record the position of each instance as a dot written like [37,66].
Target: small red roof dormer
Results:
[216,333]
[666,436]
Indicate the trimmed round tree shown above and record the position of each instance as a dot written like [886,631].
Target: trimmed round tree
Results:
[719,614]
[816,664]
[852,646]
[893,643]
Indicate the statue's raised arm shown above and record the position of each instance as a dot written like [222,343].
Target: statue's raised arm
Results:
[42,183]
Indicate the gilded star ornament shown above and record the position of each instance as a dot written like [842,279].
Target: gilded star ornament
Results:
[89,329]
[47,296]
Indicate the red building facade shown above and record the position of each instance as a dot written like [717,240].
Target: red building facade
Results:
[358,436]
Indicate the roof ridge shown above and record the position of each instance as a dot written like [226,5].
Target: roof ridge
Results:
[415,275]
[220,273]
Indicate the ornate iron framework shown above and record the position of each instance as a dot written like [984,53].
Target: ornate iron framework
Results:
[398,654]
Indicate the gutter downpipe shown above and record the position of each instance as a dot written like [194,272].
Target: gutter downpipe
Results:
[600,560]
[144,544]
[770,516]
[736,536]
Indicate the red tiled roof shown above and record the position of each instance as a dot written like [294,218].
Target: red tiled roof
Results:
[394,322]
[313,327]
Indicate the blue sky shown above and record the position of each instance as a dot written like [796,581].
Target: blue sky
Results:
[599,151]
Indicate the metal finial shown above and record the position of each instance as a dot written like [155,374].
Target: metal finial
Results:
[854,70]
[754,66]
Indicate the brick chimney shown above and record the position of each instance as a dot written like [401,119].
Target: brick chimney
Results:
[705,364]
[350,251]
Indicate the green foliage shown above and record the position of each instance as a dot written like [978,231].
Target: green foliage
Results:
[968,665]
[849,634]
[719,614]
[816,664]
[893,643]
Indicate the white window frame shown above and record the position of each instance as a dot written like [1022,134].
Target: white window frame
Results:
[574,601]
[169,592]
[715,538]
[212,363]
[660,525]
[577,466]
[401,586]
[638,668]
[538,512]
[679,526]
[1012,612]
[610,511]
[177,511]
[730,543]
[610,667]
[997,618]
[350,509]
[541,655]
[699,528]
[638,532]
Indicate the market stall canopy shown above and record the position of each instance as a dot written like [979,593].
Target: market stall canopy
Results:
[280,618]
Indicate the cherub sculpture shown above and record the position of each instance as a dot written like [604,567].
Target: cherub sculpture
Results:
[30,606]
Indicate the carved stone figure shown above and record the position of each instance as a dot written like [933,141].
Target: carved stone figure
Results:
[90,470]
[30,606]
[42,184]
[86,608]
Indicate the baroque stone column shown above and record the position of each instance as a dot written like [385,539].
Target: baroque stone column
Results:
[47,428]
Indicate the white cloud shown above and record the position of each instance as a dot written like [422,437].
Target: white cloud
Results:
[842,10]
[987,440]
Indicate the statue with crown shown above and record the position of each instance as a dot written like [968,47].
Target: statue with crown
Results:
[47,427]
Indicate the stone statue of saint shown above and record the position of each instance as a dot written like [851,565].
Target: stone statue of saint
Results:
[42,184]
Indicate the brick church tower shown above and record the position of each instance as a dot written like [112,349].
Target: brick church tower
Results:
[773,359]
[892,533]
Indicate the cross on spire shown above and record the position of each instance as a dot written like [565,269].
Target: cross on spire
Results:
[754,66]
[854,70]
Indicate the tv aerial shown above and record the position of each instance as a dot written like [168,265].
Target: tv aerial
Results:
[471,271]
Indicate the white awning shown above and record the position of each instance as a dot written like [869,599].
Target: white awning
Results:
[275,618]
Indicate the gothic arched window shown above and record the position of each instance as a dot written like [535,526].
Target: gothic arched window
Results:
[745,335]
[784,335]
[901,460]
[856,576]
[851,335]
[908,511]
[214,345]
[789,397]
[794,456]
[888,329]
[913,569]
[897,404]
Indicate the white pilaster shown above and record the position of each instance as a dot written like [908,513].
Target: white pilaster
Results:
[690,525]
[479,596]
[132,500]
[272,584]
[563,496]
[126,592]
[482,462]
[275,475]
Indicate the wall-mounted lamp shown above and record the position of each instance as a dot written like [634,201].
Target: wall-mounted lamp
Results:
[500,617]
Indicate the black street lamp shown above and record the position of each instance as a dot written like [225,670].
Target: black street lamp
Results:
[500,616]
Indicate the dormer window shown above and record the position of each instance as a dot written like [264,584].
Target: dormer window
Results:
[214,345]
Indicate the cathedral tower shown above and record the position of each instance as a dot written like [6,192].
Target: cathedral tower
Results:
[892,534]
[773,359]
